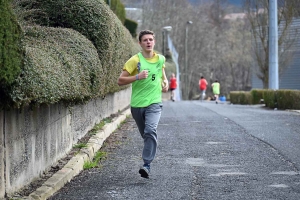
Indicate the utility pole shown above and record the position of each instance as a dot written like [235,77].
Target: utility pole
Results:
[163,42]
[185,91]
[273,45]
[165,32]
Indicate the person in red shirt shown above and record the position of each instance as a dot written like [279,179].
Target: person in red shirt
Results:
[202,87]
[173,86]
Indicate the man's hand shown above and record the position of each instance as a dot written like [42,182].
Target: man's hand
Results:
[165,85]
[143,74]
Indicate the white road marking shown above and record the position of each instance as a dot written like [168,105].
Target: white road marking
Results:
[279,186]
[291,173]
[229,174]
[214,142]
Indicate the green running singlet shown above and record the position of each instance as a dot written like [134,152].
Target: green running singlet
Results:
[147,91]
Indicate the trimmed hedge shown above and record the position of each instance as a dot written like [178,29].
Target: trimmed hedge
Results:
[281,99]
[240,97]
[74,51]
[270,98]
[95,20]
[288,99]
[60,64]
[257,95]
[11,51]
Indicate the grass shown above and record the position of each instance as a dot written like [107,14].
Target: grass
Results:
[100,155]
[80,145]
[99,126]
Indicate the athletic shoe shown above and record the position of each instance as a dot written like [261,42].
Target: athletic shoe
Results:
[145,171]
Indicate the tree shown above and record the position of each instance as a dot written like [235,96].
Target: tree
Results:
[257,15]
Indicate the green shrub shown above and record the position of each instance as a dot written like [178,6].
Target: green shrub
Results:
[11,51]
[119,9]
[60,65]
[79,60]
[288,99]
[93,19]
[270,98]
[281,99]
[240,97]
[234,97]
[257,95]
[247,98]
[131,26]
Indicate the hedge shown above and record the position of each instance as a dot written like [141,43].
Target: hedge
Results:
[131,26]
[11,51]
[257,95]
[281,99]
[60,64]
[288,99]
[74,51]
[240,97]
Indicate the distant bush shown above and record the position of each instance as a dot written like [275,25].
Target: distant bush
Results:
[240,97]
[270,98]
[131,26]
[288,99]
[257,95]
[281,99]
[118,8]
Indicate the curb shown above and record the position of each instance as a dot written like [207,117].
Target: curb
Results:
[298,111]
[75,165]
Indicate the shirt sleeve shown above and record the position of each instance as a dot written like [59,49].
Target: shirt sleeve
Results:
[131,65]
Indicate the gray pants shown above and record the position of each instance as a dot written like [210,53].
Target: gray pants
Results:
[147,119]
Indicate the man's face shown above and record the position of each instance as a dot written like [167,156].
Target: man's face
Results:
[147,42]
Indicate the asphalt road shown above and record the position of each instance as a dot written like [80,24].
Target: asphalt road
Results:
[206,151]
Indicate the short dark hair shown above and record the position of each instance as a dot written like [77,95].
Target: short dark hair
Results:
[202,77]
[145,32]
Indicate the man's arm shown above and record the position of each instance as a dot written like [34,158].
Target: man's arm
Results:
[125,77]
[165,83]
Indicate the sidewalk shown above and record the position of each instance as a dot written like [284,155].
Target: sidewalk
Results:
[75,165]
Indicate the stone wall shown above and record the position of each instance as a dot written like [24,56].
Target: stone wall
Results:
[33,139]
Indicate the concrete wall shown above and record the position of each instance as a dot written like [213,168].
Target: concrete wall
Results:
[2,178]
[31,140]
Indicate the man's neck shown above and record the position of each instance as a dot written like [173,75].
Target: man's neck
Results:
[148,54]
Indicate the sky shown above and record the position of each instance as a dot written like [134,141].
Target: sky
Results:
[234,2]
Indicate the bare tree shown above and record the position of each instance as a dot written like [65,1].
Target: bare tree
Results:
[257,14]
